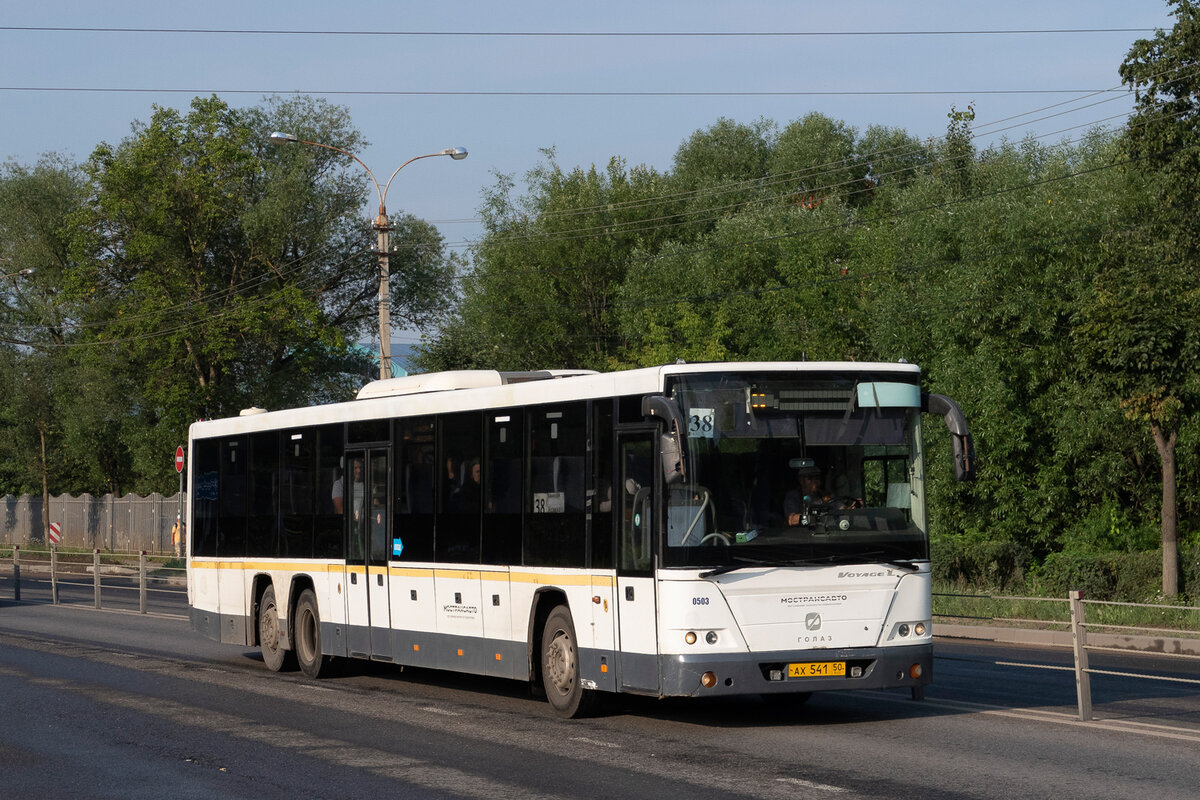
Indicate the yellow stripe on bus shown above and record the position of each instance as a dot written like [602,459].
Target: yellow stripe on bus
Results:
[602,581]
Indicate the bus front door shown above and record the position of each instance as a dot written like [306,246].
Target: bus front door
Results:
[368,520]
[636,603]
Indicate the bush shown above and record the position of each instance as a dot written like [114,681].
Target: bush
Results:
[981,565]
[1119,577]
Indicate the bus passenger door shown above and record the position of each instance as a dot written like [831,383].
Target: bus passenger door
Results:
[369,523]
[636,602]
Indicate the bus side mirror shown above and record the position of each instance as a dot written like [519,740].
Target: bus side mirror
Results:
[960,435]
[673,441]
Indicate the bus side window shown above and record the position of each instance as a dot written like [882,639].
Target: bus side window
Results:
[503,458]
[555,527]
[460,502]
[205,496]
[637,481]
[415,481]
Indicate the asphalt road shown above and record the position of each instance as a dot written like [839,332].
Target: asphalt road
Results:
[99,704]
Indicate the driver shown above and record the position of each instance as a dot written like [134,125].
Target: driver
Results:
[807,493]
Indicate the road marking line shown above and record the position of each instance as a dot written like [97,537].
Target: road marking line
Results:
[1057,717]
[596,742]
[441,711]
[824,787]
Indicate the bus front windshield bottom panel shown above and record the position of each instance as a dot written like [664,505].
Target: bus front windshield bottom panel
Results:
[795,471]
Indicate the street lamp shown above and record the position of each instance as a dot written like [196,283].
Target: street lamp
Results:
[382,227]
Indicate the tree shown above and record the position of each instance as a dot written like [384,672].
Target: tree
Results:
[222,272]
[548,270]
[36,205]
[1142,322]
[719,172]
[814,159]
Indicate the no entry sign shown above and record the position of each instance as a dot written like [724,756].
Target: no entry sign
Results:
[179,458]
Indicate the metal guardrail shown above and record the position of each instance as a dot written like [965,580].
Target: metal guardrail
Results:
[1078,626]
[1083,672]
[71,572]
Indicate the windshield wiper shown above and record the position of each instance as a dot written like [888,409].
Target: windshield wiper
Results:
[743,562]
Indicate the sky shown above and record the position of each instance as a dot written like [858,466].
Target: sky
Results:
[506,80]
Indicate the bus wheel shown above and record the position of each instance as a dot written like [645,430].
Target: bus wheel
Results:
[560,667]
[274,656]
[308,636]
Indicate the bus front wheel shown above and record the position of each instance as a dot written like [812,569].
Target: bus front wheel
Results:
[307,634]
[560,666]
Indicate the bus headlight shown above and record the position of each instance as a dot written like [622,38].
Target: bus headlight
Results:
[690,637]
[711,637]
[919,629]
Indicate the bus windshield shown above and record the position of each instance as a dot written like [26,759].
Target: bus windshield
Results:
[797,470]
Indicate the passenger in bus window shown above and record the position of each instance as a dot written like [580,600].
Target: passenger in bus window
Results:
[378,524]
[470,493]
[357,489]
[337,493]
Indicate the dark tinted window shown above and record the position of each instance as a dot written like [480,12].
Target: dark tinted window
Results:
[367,431]
[461,495]
[262,530]
[602,534]
[556,486]
[502,473]
[297,491]
[231,503]
[414,487]
[205,496]
[327,523]
[629,409]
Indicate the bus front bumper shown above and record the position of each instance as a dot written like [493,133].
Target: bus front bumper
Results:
[793,671]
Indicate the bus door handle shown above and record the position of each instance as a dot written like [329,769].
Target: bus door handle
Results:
[629,593]
[354,577]
[379,579]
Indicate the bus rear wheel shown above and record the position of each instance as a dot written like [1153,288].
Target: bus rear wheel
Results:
[307,633]
[270,639]
[560,667]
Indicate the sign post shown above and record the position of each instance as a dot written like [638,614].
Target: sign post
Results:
[55,538]
[177,531]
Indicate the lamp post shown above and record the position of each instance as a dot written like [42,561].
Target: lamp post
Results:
[382,228]
[18,274]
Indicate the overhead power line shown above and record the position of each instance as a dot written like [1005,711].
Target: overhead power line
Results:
[550,93]
[571,34]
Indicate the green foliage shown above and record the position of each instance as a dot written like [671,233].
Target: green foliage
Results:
[1118,577]
[546,277]
[979,565]
[187,272]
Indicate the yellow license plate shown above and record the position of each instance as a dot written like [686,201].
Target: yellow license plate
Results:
[818,669]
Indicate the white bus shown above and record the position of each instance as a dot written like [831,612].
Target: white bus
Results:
[685,530]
